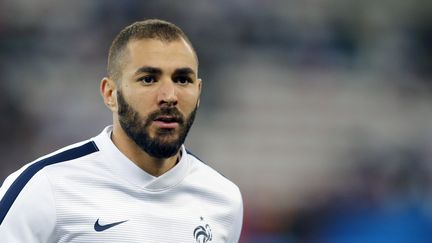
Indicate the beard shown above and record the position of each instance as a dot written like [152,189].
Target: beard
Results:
[162,145]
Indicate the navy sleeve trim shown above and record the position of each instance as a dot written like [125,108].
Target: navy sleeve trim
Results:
[17,186]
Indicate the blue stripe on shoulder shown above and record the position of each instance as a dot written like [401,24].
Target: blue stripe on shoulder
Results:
[20,182]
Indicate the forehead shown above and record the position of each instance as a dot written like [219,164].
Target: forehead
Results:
[161,54]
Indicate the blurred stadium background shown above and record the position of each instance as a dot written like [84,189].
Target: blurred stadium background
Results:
[320,110]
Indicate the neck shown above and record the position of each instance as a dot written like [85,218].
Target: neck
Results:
[153,166]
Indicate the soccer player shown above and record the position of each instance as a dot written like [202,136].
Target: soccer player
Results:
[135,181]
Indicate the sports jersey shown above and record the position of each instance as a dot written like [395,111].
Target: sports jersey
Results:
[91,192]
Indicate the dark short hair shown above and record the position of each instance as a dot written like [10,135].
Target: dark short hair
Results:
[147,29]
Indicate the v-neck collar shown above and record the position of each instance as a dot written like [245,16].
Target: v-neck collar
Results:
[127,170]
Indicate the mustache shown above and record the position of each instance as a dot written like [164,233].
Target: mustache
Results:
[172,112]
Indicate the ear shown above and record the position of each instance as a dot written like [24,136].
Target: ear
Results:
[108,89]
[199,91]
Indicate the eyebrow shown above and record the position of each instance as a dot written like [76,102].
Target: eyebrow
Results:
[184,71]
[158,71]
[150,70]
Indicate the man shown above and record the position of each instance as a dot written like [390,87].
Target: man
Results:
[134,182]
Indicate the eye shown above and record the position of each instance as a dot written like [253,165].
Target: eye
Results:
[147,79]
[182,80]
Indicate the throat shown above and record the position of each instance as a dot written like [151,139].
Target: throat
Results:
[156,166]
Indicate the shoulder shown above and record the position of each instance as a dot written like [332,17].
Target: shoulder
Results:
[220,193]
[212,180]
[65,154]
[32,178]
[72,152]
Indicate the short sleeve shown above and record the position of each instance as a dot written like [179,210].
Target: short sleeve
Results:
[27,209]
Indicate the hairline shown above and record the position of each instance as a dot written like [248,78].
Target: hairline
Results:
[123,52]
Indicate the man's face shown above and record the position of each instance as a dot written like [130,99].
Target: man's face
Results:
[158,95]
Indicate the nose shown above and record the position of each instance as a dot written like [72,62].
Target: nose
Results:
[167,95]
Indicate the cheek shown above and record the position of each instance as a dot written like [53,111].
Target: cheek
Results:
[189,101]
[142,101]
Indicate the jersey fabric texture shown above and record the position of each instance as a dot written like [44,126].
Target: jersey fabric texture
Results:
[91,192]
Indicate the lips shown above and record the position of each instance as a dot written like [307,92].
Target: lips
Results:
[167,122]
[168,119]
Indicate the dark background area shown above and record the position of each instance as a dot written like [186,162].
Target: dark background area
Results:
[319,110]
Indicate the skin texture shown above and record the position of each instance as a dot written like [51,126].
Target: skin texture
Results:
[148,92]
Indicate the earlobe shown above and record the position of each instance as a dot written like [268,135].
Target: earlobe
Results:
[108,91]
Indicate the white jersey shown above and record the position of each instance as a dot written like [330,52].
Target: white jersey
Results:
[91,192]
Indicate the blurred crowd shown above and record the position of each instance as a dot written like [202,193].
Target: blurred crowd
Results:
[319,110]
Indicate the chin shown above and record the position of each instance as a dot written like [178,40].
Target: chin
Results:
[170,134]
[165,136]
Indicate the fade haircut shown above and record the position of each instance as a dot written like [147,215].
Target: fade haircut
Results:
[147,29]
